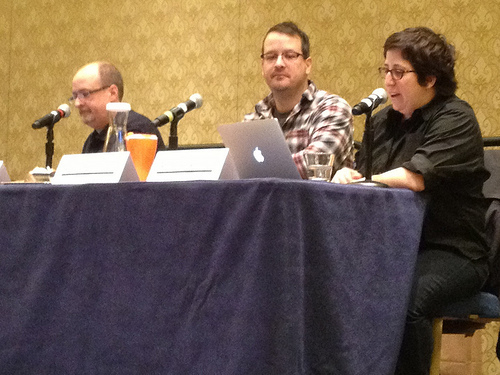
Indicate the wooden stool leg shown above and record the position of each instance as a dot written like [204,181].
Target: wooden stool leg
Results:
[437,331]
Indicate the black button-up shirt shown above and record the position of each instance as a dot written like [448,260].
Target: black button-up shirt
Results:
[136,123]
[441,141]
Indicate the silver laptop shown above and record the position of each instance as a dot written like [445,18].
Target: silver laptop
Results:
[258,149]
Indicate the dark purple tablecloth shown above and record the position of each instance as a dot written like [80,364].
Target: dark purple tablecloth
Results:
[236,277]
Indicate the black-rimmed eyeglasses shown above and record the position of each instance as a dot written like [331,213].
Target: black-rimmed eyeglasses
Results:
[396,74]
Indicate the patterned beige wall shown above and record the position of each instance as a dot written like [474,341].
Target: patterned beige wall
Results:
[5,29]
[169,49]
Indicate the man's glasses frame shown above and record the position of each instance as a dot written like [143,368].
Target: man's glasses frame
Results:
[85,94]
[287,56]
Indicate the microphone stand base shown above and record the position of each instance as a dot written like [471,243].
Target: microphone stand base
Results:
[369,183]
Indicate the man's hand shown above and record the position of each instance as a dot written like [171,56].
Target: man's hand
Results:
[346,175]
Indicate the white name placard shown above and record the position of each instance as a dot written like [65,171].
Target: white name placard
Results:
[188,165]
[4,176]
[104,167]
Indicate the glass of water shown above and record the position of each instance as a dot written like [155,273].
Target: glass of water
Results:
[319,165]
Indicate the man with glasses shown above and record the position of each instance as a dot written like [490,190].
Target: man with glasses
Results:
[95,85]
[311,119]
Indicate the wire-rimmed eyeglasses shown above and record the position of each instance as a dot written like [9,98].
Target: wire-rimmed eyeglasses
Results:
[286,56]
[85,94]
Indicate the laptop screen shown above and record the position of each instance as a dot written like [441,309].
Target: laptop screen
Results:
[258,149]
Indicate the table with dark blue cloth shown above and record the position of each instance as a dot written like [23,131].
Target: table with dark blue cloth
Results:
[213,277]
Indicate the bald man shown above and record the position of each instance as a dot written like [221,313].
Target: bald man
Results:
[95,85]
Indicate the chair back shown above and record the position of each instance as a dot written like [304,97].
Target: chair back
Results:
[491,190]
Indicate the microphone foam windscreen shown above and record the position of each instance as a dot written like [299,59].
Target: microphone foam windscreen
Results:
[197,99]
[66,109]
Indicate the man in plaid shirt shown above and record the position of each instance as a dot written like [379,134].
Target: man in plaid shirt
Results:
[311,119]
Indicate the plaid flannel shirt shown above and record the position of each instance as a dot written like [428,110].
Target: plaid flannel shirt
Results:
[320,122]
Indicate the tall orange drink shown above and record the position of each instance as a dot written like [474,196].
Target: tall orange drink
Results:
[142,148]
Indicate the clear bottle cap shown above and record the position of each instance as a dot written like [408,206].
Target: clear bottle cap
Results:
[118,107]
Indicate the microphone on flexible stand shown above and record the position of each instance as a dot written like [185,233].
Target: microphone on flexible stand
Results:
[366,106]
[377,97]
[48,121]
[174,115]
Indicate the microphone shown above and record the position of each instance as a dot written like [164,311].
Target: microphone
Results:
[176,113]
[377,97]
[62,111]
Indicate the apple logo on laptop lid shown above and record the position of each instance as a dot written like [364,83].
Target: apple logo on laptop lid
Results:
[257,154]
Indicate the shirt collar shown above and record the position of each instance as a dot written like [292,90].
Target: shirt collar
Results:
[425,112]
[433,106]
[310,91]
[266,105]
[101,134]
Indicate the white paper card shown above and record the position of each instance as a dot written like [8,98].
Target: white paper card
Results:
[4,176]
[103,167]
[188,165]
